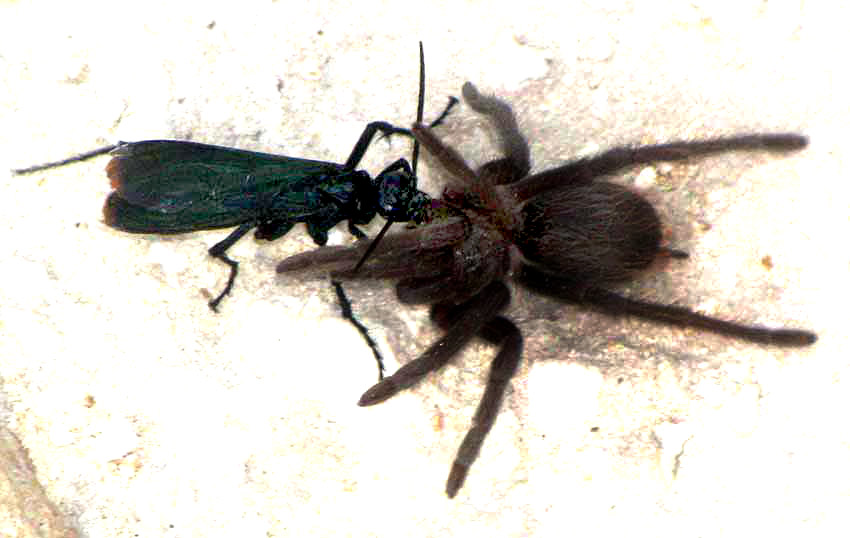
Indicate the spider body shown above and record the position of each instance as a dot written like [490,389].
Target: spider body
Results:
[560,233]
[596,233]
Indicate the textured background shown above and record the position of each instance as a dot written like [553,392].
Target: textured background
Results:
[146,415]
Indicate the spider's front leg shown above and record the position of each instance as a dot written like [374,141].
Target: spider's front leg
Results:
[420,253]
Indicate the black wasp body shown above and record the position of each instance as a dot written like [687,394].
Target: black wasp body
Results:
[174,187]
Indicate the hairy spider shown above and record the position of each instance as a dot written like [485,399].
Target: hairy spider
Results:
[559,233]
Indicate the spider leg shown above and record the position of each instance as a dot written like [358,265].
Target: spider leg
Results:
[614,304]
[427,264]
[470,181]
[585,170]
[502,370]
[498,331]
[416,253]
[472,316]
[339,262]
[517,161]
[446,155]
[512,167]
[427,290]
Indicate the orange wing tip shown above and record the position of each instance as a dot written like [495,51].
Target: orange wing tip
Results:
[115,173]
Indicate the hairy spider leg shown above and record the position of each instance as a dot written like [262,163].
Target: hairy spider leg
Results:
[617,305]
[587,169]
[499,331]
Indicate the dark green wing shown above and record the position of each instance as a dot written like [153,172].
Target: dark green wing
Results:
[164,186]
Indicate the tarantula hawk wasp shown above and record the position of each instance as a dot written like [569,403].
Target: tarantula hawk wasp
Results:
[560,233]
[178,186]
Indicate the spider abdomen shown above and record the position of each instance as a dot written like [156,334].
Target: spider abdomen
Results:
[593,233]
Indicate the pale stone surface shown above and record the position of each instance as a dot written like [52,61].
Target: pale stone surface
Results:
[144,414]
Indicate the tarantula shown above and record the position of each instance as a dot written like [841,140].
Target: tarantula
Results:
[559,233]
